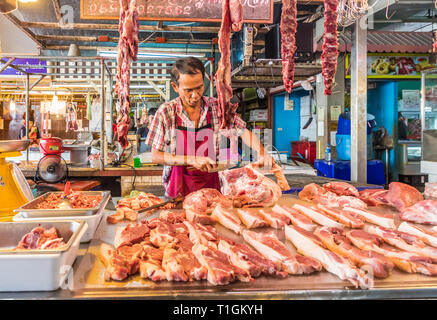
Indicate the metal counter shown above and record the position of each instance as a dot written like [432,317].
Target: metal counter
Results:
[87,280]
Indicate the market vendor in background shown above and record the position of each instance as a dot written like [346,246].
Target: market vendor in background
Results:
[192,118]
[33,133]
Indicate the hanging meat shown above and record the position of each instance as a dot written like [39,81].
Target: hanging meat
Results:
[288,41]
[232,17]
[127,51]
[330,45]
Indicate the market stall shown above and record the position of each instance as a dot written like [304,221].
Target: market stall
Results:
[217,207]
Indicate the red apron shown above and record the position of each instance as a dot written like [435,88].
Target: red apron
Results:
[190,142]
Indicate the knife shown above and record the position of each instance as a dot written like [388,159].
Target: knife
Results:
[155,206]
[218,168]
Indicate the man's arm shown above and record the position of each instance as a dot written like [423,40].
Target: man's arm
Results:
[251,140]
[200,163]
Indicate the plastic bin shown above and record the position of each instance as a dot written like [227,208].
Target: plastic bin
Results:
[343,146]
[342,170]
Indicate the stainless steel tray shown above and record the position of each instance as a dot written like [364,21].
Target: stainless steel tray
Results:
[12,232]
[29,210]
[14,145]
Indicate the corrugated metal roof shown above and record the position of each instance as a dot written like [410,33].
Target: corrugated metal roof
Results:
[387,41]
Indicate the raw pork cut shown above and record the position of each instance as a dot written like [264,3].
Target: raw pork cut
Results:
[227,219]
[430,190]
[422,212]
[330,45]
[130,234]
[41,238]
[288,41]
[383,220]
[402,196]
[311,246]
[349,219]
[336,241]
[205,200]
[129,26]
[232,16]
[406,261]
[427,236]
[317,216]
[251,219]
[273,219]
[270,247]
[373,197]
[248,187]
[121,262]
[341,188]
[296,218]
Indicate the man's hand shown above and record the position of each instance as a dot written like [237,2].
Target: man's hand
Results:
[202,163]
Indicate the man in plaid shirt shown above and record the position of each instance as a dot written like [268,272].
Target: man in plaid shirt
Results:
[184,134]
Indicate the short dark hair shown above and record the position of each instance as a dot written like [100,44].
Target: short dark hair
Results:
[188,65]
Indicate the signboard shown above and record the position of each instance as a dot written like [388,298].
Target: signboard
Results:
[28,65]
[394,65]
[254,11]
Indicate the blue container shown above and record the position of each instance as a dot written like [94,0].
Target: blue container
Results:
[343,146]
[344,124]
[342,170]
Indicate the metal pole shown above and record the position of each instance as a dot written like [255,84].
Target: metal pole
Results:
[359,104]
[102,129]
[27,113]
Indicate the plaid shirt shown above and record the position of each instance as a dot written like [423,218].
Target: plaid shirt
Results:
[162,132]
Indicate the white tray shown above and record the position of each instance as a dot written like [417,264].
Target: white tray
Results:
[92,221]
[40,270]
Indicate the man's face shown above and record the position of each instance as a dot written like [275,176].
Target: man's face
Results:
[190,88]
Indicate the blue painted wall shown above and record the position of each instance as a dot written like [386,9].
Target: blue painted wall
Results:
[382,102]
[288,120]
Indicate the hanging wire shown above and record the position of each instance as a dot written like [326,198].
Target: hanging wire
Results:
[349,11]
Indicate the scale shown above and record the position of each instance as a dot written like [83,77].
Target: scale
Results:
[14,189]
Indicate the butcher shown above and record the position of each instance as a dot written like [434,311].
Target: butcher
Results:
[185,133]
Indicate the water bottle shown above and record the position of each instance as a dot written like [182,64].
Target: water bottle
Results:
[328,153]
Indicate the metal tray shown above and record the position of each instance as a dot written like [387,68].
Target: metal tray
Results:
[29,210]
[12,232]
[89,277]
[37,270]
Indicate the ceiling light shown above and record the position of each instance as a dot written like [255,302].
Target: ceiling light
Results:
[27,1]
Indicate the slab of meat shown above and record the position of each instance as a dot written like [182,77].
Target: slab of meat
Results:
[330,45]
[132,233]
[422,212]
[195,217]
[288,41]
[41,238]
[341,188]
[311,246]
[270,247]
[251,219]
[317,216]
[315,193]
[347,218]
[151,263]
[202,234]
[248,187]
[373,197]
[174,271]
[220,270]
[296,218]
[404,241]
[402,196]
[274,219]
[127,51]
[163,233]
[248,259]
[205,200]
[227,219]
[121,214]
[430,190]
[172,216]
[231,15]
[335,240]
[383,220]
[121,262]
[406,261]
[427,236]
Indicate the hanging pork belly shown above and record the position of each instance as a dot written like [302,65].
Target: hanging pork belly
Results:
[330,45]
[127,51]
[288,41]
[232,17]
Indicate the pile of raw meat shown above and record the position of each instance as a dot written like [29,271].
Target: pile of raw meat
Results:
[41,238]
[129,26]
[77,199]
[232,19]
[127,208]
[355,244]
[288,44]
